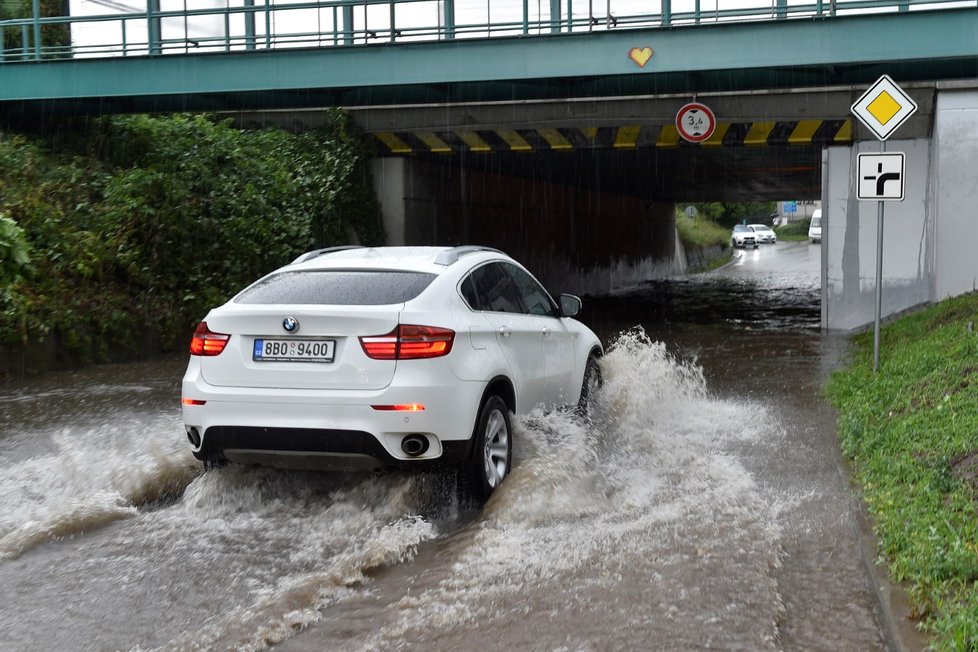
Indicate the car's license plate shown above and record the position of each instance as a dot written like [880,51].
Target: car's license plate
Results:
[293,350]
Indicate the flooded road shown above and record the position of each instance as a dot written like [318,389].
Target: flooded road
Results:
[703,507]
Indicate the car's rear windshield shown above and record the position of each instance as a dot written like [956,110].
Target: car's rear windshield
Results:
[338,288]
[816,221]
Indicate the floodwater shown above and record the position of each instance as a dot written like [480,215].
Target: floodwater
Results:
[702,508]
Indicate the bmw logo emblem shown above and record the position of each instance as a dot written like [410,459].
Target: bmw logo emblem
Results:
[290,324]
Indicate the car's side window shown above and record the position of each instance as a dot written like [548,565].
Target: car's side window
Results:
[470,294]
[496,289]
[535,298]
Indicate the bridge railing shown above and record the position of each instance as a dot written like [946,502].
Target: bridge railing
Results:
[170,27]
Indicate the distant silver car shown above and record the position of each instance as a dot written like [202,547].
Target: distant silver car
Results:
[743,236]
[764,233]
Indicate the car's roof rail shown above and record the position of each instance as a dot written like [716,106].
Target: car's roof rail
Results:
[450,256]
[309,255]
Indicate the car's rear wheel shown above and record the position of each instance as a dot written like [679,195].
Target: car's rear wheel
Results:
[492,452]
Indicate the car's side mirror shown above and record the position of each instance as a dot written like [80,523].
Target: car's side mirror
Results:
[569,305]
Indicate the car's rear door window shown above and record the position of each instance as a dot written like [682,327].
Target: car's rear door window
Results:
[494,290]
[337,288]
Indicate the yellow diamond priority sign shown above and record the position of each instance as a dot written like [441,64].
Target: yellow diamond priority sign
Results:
[884,107]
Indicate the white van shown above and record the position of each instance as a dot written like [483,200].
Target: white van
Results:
[815,228]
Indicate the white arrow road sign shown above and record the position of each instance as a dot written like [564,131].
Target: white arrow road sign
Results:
[880,177]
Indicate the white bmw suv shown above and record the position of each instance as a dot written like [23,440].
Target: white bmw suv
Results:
[356,357]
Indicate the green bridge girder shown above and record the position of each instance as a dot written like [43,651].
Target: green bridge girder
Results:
[909,46]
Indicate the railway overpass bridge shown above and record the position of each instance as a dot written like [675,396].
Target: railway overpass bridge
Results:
[550,132]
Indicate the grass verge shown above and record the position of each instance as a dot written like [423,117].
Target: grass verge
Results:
[699,232]
[911,433]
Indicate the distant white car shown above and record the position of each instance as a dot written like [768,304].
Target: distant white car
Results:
[358,357]
[743,236]
[764,233]
[815,228]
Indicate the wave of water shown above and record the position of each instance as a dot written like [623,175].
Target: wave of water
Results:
[620,522]
[331,531]
[91,477]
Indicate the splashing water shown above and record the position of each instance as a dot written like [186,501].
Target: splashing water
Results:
[89,479]
[332,540]
[640,524]
[616,522]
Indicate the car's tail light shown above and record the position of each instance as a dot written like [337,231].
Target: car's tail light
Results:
[207,342]
[409,342]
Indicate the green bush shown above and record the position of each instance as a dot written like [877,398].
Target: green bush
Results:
[793,231]
[149,221]
[700,232]
[14,257]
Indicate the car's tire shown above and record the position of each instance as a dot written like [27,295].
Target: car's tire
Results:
[756,245]
[492,448]
[591,382]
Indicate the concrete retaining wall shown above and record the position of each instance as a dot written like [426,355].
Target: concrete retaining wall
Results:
[929,238]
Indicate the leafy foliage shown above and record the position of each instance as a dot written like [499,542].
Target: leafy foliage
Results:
[140,224]
[793,231]
[726,215]
[911,432]
[14,259]
[700,232]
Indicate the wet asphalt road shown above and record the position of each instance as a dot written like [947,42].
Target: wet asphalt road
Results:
[703,508]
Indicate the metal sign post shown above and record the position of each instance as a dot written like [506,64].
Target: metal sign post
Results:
[879,277]
[880,177]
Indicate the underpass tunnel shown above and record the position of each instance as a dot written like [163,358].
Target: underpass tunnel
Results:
[584,190]
[588,209]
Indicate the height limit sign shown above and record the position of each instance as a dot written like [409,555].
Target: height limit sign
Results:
[880,177]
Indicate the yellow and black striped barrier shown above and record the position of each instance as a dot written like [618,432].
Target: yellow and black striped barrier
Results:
[481,141]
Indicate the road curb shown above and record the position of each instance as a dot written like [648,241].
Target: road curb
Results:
[899,632]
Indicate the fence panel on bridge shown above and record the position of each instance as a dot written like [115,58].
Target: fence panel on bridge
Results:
[111,28]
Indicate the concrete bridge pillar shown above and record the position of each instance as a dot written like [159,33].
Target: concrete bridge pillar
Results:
[929,238]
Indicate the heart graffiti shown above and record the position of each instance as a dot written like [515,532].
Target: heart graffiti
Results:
[641,56]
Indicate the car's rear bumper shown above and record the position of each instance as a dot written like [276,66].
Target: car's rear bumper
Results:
[312,448]
[330,428]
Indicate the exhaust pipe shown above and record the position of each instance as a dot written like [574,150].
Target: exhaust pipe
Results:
[414,445]
[194,436]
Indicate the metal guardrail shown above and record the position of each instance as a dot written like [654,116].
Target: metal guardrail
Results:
[170,26]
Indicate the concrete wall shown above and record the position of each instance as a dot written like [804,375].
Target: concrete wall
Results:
[955,176]
[389,176]
[573,239]
[929,247]
[849,238]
